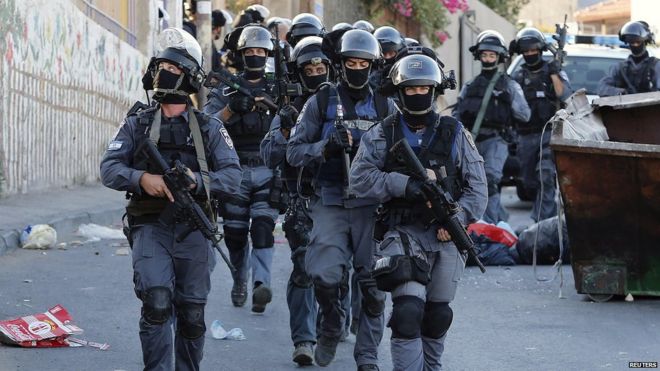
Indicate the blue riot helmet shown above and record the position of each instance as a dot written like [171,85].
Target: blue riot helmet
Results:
[416,70]
[364,25]
[389,38]
[254,37]
[308,51]
[358,44]
[529,38]
[342,26]
[303,25]
[636,30]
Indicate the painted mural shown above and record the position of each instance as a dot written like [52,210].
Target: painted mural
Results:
[66,84]
[54,36]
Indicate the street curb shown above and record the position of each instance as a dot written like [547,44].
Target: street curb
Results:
[65,226]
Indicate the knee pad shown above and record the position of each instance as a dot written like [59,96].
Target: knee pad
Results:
[326,294]
[493,186]
[407,314]
[373,300]
[157,305]
[190,320]
[299,276]
[437,319]
[235,238]
[261,232]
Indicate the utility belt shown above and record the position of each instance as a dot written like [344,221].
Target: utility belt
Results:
[395,270]
[251,159]
[389,217]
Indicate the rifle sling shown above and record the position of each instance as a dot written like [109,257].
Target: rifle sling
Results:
[484,103]
[154,136]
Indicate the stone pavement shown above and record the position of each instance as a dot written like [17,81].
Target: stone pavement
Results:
[64,209]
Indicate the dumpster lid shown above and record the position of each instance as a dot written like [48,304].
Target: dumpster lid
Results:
[628,101]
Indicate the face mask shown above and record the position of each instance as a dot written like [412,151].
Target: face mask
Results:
[356,79]
[532,60]
[168,87]
[637,50]
[488,65]
[254,62]
[311,83]
[417,104]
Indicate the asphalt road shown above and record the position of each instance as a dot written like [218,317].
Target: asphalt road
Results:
[503,320]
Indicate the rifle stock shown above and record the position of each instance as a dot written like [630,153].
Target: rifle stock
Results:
[445,210]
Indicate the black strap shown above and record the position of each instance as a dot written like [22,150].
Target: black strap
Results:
[405,241]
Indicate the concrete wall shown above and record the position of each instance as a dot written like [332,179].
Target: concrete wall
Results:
[454,52]
[66,84]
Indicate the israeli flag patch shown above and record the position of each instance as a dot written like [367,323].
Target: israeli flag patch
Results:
[226,136]
[115,145]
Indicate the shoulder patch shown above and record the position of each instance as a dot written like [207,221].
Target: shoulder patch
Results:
[226,136]
[115,145]
[469,138]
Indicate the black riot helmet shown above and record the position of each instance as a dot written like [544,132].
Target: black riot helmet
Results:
[529,38]
[259,13]
[359,44]
[364,25]
[389,38]
[302,25]
[409,41]
[636,30]
[342,26]
[178,47]
[308,51]
[492,41]
[417,70]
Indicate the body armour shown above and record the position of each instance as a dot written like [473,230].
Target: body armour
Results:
[357,118]
[435,151]
[175,143]
[247,130]
[640,79]
[499,114]
[540,95]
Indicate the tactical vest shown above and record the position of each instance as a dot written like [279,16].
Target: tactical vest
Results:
[357,119]
[248,130]
[175,143]
[290,173]
[540,95]
[499,113]
[435,151]
[640,80]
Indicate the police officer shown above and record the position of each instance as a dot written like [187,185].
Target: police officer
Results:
[391,42]
[364,25]
[172,278]
[303,25]
[248,211]
[341,222]
[545,87]
[312,68]
[421,314]
[640,73]
[505,102]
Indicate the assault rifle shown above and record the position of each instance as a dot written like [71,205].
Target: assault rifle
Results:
[560,37]
[283,86]
[184,204]
[443,208]
[346,164]
[215,78]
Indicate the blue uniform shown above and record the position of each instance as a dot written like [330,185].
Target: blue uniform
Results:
[171,278]
[341,226]
[421,315]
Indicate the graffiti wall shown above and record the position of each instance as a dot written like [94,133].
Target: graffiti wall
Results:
[66,84]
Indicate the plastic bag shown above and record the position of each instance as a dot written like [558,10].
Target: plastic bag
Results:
[40,236]
[218,332]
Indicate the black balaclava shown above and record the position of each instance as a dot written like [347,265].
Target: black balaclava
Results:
[311,83]
[533,61]
[416,122]
[254,66]
[417,104]
[169,87]
[356,79]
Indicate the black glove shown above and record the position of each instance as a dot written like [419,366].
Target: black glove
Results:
[554,67]
[414,190]
[241,103]
[333,148]
[288,116]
